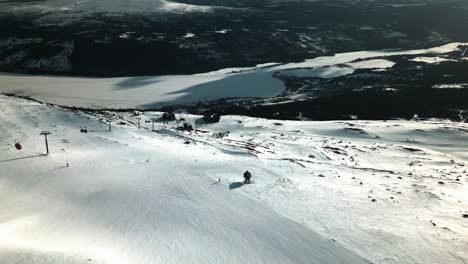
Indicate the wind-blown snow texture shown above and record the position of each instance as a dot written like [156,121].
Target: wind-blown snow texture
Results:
[136,196]
[158,91]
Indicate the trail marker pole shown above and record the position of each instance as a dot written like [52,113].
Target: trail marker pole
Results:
[45,133]
[110,128]
[138,119]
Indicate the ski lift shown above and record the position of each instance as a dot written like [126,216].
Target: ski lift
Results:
[18,145]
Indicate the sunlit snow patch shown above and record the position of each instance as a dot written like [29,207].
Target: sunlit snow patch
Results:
[451,86]
[431,59]
[334,71]
[189,35]
[223,31]
[372,64]
[322,72]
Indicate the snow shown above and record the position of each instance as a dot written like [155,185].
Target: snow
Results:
[150,91]
[125,35]
[189,35]
[372,64]
[451,86]
[366,28]
[130,196]
[158,91]
[322,72]
[135,196]
[395,35]
[84,7]
[431,59]
[340,70]
[353,56]
[62,12]
[222,31]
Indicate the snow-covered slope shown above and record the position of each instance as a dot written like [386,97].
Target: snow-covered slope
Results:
[131,196]
[136,196]
[158,91]
[71,9]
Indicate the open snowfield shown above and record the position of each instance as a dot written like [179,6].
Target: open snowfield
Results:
[136,196]
[158,91]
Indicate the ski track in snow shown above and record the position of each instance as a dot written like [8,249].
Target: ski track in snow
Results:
[148,92]
[135,196]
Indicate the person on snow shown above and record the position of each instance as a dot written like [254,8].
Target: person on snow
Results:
[247,177]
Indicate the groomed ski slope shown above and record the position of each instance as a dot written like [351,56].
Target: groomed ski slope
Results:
[136,196]
[113,206]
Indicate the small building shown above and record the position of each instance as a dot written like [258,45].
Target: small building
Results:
[186,127]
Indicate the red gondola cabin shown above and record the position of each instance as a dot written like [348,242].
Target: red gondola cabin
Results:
[18,146]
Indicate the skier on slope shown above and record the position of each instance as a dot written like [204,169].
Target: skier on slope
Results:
[247,177]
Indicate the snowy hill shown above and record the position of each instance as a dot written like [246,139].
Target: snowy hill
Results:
[72,9]
[111,206]
[324,192]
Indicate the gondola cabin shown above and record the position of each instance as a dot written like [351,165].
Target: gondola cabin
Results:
[18,146]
